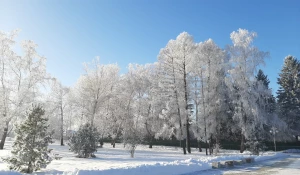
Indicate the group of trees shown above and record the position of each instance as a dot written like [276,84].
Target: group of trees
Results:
[194,91]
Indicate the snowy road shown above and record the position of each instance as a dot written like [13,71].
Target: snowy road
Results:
[287,166]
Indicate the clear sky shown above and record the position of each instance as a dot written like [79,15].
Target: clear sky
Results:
[133,31]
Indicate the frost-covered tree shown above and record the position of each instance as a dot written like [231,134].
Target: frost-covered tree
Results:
[245,58]
[288,95]
[134,95]
[21,77]
[267,103]
[94,88]
[169,94]
[209,67]
[30,147]
[147,100]
[84,141]
[57,103]
[175,59]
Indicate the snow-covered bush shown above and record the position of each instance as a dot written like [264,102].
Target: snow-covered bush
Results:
[84,141]
[217,148]
[30,147]
[132,138]
[255,147]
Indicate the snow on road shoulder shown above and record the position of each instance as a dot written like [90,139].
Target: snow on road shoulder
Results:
[270,156]
[292,151]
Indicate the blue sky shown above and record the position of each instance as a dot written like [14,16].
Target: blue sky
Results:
[133,31]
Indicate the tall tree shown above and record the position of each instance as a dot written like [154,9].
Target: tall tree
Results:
[175,58]
[288,95]
[133,96]
[94,88]
[58,101]
[266,105]
[245,58]
[209,65]
[21,78]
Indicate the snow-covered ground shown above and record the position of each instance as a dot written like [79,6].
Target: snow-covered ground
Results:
[116,161]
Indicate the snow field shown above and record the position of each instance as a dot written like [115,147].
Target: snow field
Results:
[116,161]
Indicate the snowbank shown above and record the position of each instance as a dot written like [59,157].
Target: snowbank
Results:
[172,168]
[176,167]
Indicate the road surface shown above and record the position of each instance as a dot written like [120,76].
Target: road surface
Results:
[286,166]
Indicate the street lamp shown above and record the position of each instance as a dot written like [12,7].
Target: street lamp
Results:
[274,131]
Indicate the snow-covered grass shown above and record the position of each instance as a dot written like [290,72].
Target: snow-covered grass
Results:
[116,161]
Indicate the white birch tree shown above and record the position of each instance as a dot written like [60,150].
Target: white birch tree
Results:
[21,78]
[245,58]
[175,59]
[93,89]
[58,102]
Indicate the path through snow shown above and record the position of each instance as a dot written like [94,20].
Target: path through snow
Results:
[279,166]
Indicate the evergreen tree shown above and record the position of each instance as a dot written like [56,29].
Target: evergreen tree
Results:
[288,94]
[269,101]
[30,146]
[266,104]
[84,141]
[263,78]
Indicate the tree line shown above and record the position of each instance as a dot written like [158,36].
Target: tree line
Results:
[194,91]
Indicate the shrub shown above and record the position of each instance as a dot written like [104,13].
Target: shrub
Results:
[84,141]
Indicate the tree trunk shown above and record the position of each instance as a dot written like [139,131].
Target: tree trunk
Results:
[113,143]
[4,135]
[274,139]
[148,131]
[151,142]
[178,107]
[217,149]
[180,143]
[242,144]
[204,114]
[186,109]
[101,143]
[199,146]
[61,127]
[188,146]
[183,146]
[3,138]
[206,146]
[210,146]
[29,168]
[197,117]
